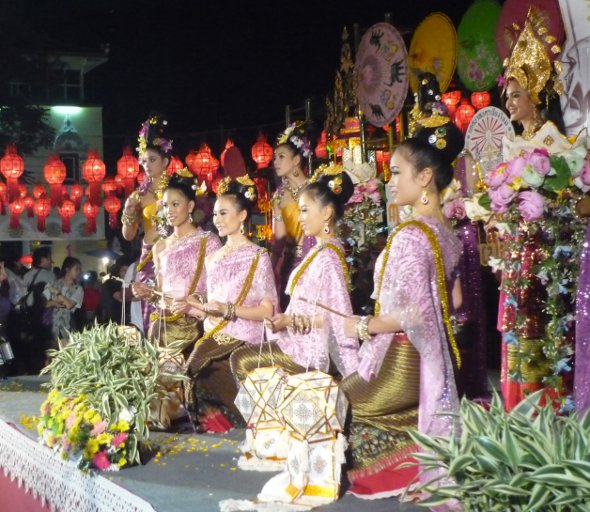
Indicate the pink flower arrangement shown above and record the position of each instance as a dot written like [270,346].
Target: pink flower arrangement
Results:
[454,209]
[501,197]
[101,460]
[531,205]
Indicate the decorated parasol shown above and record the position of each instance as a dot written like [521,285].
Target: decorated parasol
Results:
[515,12]
[478,64]
[484,137]
[381,75]
[433,49]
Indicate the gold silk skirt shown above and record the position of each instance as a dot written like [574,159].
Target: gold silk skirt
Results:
[383,410]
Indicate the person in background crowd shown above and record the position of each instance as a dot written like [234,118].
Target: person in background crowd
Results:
[111,292]
[64,297]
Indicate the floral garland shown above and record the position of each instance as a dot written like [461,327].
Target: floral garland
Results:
[77,430]
[363,220]
[534,197]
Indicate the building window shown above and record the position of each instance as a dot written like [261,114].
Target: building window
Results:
[72,163]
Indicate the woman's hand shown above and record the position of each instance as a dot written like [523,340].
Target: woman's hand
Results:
[132,204]
[214,308]
[180,306]
[140,290]
[279,322]
[350,326]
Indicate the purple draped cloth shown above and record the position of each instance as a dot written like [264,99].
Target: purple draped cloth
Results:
[145,273]
[582,370]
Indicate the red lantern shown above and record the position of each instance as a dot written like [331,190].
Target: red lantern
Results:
[451,99]
[174,166]
[22,190]
[228,144]
[321,150]
[12,167]
[109,186]
[54,172]
[127,168]
[29,202]
[93,170]
[112,204]
[16,207]
[140,177]
[262,152]
[66,211]
[42,209]
[91,212]
[39,191]
[3,199]
[204,164]
[464,115]
[480,99]
[76,193]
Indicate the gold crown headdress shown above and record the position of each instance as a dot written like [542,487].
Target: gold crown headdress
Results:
[199,189]
[245,181]
[335,183]
[529,63]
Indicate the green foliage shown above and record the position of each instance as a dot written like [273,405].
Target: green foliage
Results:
[25,126]
[529,459]
[116,375]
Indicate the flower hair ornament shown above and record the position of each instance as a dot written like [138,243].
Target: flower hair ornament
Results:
[247,187]
[331,175]
[295,135]
[199,189]
[151,134]
[529,63]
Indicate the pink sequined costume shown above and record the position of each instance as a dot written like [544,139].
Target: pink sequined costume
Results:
[244,277]
[319,279]
[180,268]
[408,380]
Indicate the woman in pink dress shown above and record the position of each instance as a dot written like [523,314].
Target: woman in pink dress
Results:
[405,376]
[179,262]
[241,293]
[309,336]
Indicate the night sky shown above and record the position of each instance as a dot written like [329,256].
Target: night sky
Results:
[215,68]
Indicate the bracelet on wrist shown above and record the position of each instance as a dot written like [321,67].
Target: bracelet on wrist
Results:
[362,328]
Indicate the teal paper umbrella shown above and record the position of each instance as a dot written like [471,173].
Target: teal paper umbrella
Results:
[478,63]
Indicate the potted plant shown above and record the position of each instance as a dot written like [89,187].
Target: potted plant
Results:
[529,459]
[102,383]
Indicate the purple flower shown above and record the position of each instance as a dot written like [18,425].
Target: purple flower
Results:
[583,180]
[531,205]
[515,168]
[501,81]
[497,176]
[454,209]
[501,198]
[539,159]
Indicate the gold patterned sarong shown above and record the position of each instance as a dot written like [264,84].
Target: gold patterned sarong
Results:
[384,409]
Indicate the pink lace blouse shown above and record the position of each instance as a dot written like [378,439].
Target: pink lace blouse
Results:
[322,281]
[227,273]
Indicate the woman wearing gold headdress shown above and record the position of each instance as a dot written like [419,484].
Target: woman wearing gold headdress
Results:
[180,271]
[241,293]
[531,87]
[289,242]
[140,213]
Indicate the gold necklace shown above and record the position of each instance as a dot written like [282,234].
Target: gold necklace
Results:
[295,191]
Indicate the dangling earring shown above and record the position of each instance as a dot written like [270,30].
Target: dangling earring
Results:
[326,228]
[242,228]
[424,198]
[295,173]
[190,217]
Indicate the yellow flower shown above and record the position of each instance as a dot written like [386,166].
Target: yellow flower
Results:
[105,438]
[122,462]
[122,426]
[92,447]
[95,419]
[89,414]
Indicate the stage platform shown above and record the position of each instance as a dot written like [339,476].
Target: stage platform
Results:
[188,472]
